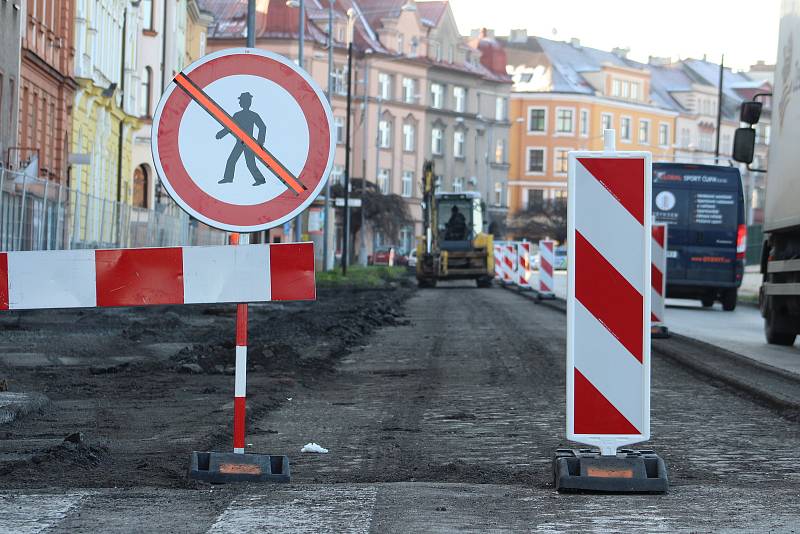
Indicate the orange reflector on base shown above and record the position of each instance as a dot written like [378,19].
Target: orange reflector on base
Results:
[609,473]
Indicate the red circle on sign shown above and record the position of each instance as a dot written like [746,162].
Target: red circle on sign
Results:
[237,217]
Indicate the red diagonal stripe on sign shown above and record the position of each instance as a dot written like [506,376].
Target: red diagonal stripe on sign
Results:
[658,234]
[546,267]
[654,317]
[623,177]
[610,298]
[656,279]
[3,281]
[594,414]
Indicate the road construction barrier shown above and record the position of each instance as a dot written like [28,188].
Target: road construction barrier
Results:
[498,261]
[152,276]
[524,265]
[509,262]
[658,281]
[608,320]
[547,258]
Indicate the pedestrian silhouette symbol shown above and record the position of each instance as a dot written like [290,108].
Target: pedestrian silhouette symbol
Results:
[247,120]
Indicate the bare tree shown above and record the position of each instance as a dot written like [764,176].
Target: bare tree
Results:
[547,220]
[387,214]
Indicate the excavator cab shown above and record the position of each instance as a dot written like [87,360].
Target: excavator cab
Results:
[460,219]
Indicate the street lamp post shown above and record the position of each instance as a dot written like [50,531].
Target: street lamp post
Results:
[345,249]
[301,37]
[327,253]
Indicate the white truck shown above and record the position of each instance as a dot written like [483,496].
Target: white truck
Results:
[779,296]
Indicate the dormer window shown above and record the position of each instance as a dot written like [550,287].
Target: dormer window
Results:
[400,43]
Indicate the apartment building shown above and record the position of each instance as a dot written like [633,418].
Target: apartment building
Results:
[46,88]
[420,91]
[11,23]
[564,96]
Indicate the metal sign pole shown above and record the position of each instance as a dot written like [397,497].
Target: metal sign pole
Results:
[240,374]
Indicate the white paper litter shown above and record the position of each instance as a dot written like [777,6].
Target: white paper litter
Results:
[313,447]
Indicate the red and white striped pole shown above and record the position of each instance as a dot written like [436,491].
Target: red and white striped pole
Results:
[658,281]
[547,258]
[524,265]
[240,376]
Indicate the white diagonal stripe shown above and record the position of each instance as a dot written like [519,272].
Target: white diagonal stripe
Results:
[609,366]
[32,513]
[656,305]
[609,227]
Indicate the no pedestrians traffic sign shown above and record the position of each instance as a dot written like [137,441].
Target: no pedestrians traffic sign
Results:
[243,139]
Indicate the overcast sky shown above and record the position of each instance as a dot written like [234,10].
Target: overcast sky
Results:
[744,30]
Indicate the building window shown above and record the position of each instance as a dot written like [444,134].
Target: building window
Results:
[459,99]
[140,186]
[147,84]
[385,133]
[436,141]
[626,89]
[686,137]
[663,134]
[606,121]
[561,160]
[339,80]
[437,95]
[337,175]
[535,199]
[409,133]
[537,120]
[535,160]
[584,127]
[616,88]
[635,90]
[338,126]
[458,144]
[406,239]
[408,183]
[500,108]
[498,194]
[564,121]
[384,86]
[625,129]
[147,14]
[458,184]
[644,132]
[409,90]
[436,50]
[500,151]
[400,43]
[384,179]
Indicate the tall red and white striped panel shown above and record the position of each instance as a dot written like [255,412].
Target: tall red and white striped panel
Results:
[509,262]
[498,261]
[547,258]
[658,273]
[524,265]
[151,276]
[608,303]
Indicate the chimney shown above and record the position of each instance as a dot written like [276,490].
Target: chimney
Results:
[620,52]
[518,36]
[658,61]
[575,43]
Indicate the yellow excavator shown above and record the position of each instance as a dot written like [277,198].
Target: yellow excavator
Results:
[454,245]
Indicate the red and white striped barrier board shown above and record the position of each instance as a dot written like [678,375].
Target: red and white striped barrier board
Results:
[509,262]
[524,265]
[608,304]
[547,258]
[658,273]
[152,276]
[498,261]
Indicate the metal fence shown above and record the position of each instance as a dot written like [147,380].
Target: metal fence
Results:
[38,214]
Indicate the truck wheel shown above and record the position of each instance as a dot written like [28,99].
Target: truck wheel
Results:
[707,301]
[484,281]
[777,338]
[729,299]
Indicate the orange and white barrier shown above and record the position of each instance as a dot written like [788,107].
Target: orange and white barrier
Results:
[547,258]
[524,265]
[608,304]
[658,280]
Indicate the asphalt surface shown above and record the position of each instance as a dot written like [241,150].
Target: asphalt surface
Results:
[445,421]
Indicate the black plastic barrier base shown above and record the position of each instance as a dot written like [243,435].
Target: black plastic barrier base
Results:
[659,331]
[222,467]
[540,295]
[630,471]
